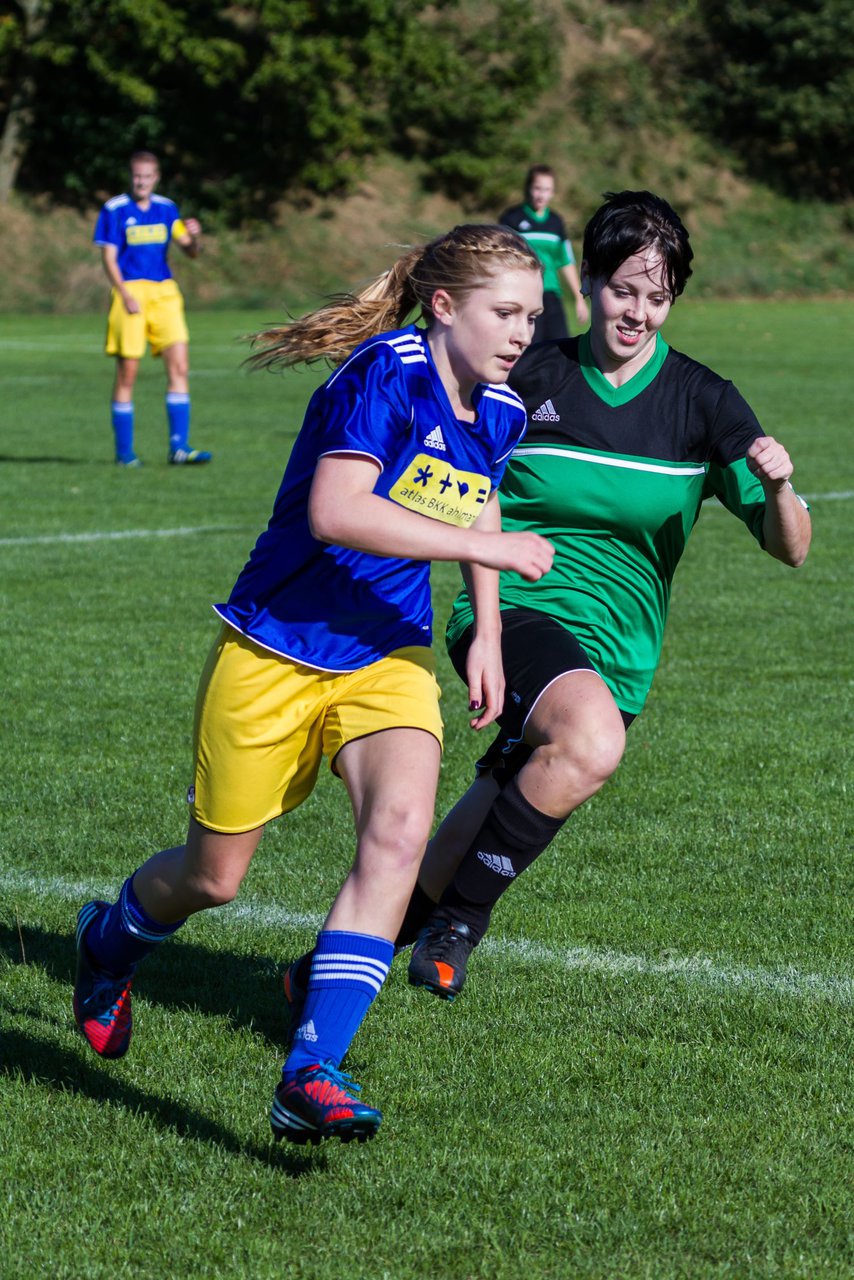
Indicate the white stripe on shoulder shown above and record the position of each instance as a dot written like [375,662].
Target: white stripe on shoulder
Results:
[504,394]
[406,340]
[385,342]
[117,202]
[410,348]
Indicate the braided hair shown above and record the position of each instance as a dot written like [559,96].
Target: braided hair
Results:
[460,261]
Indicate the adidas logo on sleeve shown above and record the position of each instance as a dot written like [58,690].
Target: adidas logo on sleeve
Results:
[546,413]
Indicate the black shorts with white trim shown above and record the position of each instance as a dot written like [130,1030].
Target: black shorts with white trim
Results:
[535,651]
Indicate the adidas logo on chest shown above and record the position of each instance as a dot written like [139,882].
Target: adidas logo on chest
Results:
[435,440]
[546,413]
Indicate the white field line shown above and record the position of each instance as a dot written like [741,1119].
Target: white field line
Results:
[117,535]
[841,495]
[695,970]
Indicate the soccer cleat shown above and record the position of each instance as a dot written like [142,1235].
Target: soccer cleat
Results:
[102,1004]
[189,457]
[439,957]
[319,1103]
[130,461]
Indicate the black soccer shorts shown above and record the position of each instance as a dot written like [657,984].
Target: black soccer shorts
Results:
[535,651]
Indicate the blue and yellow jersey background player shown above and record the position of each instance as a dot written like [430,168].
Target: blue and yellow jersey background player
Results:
[134,231]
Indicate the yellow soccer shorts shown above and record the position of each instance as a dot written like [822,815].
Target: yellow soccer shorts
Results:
[263,723]
[159,321]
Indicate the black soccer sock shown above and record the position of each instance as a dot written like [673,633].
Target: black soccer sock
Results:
[417,914]
[513,834]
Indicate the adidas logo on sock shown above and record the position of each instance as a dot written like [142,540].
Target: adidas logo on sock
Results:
[498,863]
[306,1032]
[546,413]
[435,440]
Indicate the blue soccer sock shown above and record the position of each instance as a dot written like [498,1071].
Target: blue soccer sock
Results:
[120,936]
[121,412]
[347,972]
[178,413]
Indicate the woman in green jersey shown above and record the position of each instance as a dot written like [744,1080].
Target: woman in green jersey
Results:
[626,438]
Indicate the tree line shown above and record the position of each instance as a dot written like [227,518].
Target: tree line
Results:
[250,100]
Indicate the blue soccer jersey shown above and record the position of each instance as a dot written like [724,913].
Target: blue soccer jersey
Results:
[336,609]
[142,236]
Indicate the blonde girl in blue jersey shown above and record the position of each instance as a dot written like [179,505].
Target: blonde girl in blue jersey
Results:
[324,646]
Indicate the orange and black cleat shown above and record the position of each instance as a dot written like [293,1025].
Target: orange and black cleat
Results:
[439,957]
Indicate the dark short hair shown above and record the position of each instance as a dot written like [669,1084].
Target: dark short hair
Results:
[538,171]
[147,156]
[627,223]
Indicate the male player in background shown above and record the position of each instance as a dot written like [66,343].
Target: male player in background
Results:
[134,231]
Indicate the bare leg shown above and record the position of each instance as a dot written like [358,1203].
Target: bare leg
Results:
[391,778]
[176,362]
[207,871]
[125,379]
[578,737]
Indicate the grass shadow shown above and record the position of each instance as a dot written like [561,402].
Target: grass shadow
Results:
[14,457]
[244,989]
[37,1061]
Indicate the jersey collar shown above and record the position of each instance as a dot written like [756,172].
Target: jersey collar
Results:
[605,390]
[532,213]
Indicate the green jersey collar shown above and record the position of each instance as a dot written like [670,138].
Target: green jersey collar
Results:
[606,391]
[532,213]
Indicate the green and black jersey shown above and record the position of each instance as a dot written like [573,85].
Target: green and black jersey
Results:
[546,234]
[615,477]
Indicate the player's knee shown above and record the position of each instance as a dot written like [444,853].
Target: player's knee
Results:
[398,838]
[605,755]
[213,891]
[584,761]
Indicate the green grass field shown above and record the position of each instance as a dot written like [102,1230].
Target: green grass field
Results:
[650,1071]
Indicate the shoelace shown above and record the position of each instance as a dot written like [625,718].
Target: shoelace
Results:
[104,998]
[328,1071]
[448,937]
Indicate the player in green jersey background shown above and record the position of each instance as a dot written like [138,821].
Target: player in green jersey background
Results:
[626,438]
[545,231]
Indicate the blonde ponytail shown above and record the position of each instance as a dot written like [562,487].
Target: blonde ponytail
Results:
[460,261]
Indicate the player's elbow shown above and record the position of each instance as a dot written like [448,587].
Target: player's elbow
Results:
[797,558]
[793,554]
[324,519]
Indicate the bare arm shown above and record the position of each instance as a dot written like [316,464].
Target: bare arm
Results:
[343,509]
[484,668]
[569,275]
[786,529]
[110,261]
[191,242]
